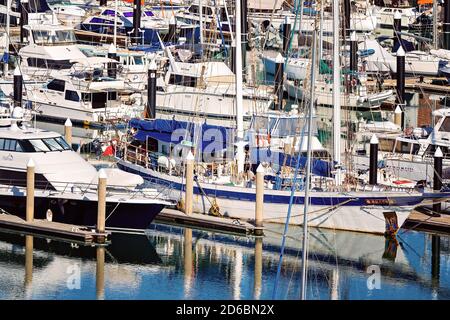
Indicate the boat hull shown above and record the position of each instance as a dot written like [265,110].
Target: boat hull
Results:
[341,211]
[83,212]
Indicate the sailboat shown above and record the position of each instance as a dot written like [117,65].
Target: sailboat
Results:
[224,184]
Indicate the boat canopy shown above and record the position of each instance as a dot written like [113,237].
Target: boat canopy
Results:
[210,137]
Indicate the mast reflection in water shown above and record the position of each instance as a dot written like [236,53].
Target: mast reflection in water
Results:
[180,263]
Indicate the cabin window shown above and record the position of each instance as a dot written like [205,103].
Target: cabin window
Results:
[445,125]
[45,145]
[39,145]
[128,14]
[65,36]
[57,85]
[108,13]
[50,64]
[149,14]
[86,97]
[63,143]
[112,95]
[180,80]
[72,96]
[53,145]
[138,60]
[11,145]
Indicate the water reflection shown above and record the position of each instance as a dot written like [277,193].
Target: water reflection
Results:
[177,263]
[188,263]
[28,266]
[100,273]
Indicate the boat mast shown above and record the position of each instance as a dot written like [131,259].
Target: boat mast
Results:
[435,25]
[336,93]
[8,22]
[308,165]
[239,101]
[115,23]
[200,21]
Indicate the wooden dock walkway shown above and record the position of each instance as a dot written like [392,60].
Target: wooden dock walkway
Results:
[203,221]
[428,85]
[49,228]
[422,220]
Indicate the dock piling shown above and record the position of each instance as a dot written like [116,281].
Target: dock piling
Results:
[172,34]
[397,29]
[400,98]
[151,91]
[437,179]
[279,77]
[101,210]
[286,26]
[259,207]
[23,19]
[373,164]
[189,184]
[353,51]
[137,12]
[17,87]
[446,25]
[398,116]
[30,191]
[68,131]
[112,67]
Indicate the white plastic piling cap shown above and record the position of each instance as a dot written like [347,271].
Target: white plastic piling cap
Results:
[112,48]
[30,163]
[102,174]
[152,65]
[438,153]
[353,36]
[397,15]
[68,123]
[279,58]
[260,169]
[17,71]
[190,156]
[400,52]
[398,110]
[374,140]
[172,20]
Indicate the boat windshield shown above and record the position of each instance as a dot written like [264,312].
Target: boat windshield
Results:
[46,37]
[49,144]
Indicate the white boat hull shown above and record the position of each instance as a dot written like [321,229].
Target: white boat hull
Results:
[368,219]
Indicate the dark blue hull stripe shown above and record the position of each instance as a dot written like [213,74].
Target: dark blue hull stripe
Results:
[283,199]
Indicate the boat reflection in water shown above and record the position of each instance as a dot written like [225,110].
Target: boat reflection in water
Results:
[171,262]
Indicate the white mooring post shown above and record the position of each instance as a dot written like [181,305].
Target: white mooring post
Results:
[189,183]
[101,210]
[30,191]
[259,207]
[68,132]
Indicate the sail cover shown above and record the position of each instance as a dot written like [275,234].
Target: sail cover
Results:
[204,137]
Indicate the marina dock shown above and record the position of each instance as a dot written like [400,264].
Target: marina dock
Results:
[50,228]
[202,221]
[422,220]
[426,84]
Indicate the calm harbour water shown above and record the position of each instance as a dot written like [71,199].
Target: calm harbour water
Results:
[180,263]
